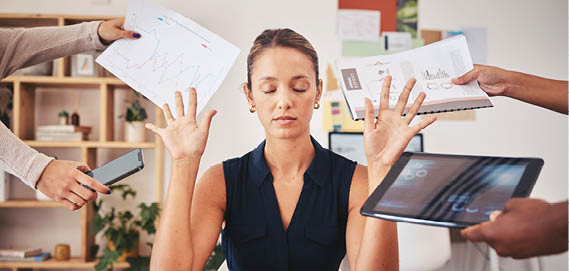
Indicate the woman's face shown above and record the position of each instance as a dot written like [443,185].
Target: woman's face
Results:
[284,91]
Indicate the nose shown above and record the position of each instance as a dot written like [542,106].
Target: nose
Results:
[284,99]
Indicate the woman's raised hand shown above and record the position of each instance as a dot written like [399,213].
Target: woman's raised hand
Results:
[183,138]
[387,137]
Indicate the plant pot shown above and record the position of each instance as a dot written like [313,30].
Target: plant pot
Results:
[133,253]
[134,131]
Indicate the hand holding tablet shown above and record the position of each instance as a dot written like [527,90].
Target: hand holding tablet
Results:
[450,190]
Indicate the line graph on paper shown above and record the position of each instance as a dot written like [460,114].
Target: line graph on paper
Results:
[173,54]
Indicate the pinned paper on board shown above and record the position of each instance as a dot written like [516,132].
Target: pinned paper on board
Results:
[355,24]
[396,41]
[388,9]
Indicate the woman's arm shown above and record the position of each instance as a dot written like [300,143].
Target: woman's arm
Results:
[381,247]
[23,47]
[384,141]
[548,93]
[173,249]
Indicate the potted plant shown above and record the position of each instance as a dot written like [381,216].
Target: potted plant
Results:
[135,116]
[63,118]
[122,230]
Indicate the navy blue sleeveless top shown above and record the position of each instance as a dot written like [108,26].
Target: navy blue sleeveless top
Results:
[254,237]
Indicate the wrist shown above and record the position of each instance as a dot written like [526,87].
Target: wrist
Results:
[376,173]
[103,41]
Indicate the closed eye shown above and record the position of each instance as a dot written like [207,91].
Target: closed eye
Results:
[299,90]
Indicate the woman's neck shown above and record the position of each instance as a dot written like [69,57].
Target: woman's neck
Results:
[289,157]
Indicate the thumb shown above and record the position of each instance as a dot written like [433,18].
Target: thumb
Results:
[127,34]
[206,121]
[466,78]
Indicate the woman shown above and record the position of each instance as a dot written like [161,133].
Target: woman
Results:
[289,204]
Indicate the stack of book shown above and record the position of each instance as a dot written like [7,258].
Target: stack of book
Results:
[29,254]
[62,133]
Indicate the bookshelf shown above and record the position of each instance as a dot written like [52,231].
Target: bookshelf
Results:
[23,126]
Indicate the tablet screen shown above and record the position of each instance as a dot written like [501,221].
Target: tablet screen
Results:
[439,188]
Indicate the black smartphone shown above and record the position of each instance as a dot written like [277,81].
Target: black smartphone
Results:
[119,168]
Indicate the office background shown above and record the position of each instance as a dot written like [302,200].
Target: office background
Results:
[526,36]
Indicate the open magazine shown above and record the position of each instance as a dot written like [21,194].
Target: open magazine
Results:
[433,66]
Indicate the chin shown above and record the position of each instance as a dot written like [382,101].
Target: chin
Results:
[286,133]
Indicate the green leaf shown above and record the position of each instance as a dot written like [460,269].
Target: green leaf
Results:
[107,260]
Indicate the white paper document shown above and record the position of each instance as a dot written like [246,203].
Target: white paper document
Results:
[174,53]
[433,66]
[355,24]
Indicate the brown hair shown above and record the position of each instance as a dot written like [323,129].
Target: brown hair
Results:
[280,37]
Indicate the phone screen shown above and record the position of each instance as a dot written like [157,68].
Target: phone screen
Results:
[118,168]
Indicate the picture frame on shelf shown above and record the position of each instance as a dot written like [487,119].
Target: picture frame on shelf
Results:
[83,65]
[4,186]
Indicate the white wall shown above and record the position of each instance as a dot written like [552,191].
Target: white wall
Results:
[527,36]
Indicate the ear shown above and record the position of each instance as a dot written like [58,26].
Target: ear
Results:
[248,94]
[318,91]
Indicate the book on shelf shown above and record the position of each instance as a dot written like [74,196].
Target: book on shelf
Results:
[37,258]
[20,253]
[62,133]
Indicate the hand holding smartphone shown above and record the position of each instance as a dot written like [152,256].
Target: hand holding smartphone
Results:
[118,169]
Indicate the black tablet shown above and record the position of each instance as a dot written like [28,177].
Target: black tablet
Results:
[450,190]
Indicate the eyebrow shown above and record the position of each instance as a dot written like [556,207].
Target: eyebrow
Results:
[296,77]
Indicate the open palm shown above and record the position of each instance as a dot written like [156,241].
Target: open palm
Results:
[182,136]
[387,137]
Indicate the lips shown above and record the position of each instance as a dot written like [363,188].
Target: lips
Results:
[284,120]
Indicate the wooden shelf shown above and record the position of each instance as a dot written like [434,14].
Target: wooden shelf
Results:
[91,144]
[25,112]
[30,204]
[63,81]
[52,263]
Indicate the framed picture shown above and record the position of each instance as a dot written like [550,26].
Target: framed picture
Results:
[351,145]
[83,65]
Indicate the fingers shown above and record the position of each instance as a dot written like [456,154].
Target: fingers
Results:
[384,100]
[369,119]
[192,104]
[494,215]
[75,199]
[179,104]
[415,107]
[97,186]
[167,113]
[154,129]
[206,121]
[467,77]
[404,96]
[130,35]
[427,120]
[474,233]
[83,168]
[69,205]
[83,192]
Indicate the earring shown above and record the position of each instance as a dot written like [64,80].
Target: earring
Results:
[316,105]
[252,109]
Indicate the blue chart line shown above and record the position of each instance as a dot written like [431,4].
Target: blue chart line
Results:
[159,62]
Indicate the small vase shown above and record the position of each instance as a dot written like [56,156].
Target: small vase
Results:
[133,253]
[134,131]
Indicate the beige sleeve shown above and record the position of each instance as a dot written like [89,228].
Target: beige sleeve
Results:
[19,159]
[23,47]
